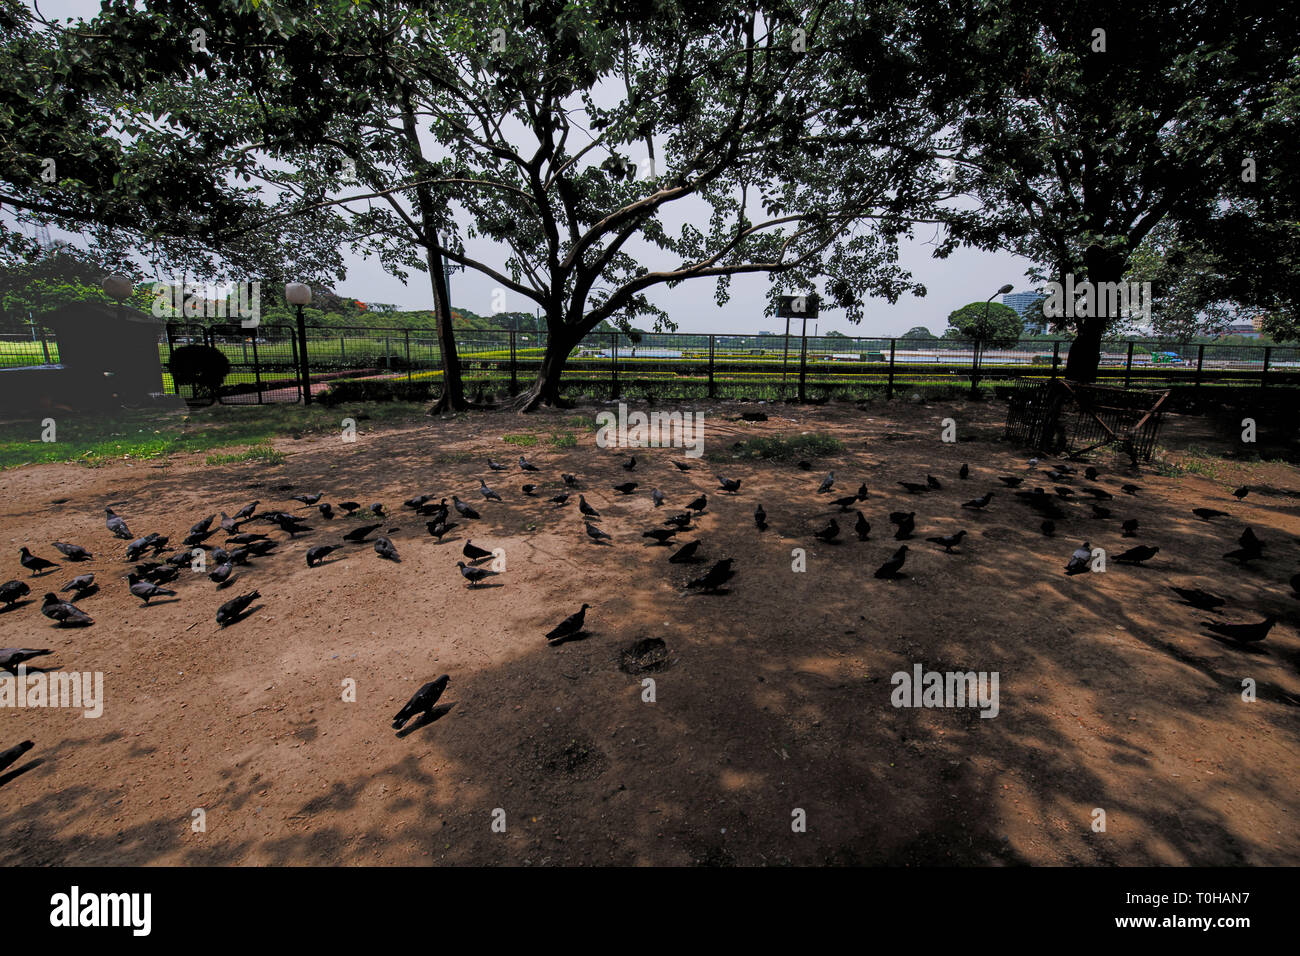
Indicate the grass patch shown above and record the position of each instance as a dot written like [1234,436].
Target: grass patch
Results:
[812,445]
[525,440]
[264,454]
[563,439]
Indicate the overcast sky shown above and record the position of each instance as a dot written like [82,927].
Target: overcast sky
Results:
[966,276]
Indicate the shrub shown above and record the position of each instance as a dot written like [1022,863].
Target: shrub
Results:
[375,390]
[201,367]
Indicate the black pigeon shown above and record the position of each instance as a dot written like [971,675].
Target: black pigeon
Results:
[309,500]
[246,538]
[905,527]
[715,577]
[949,541]
[560,499]
[247,511]
[1048,527]
[439,528]
[350,506]
[1130,489]
[73,552]
[1243,555]
[496,465]
[232,610]
[1130,527]
[685,553]
[157,573]
[933,482]
[964,472]
[630,463]
[1137,555]
[914,487]
[326,510]
[845,503]
[82,584]
[828,533]
[259,548]
[1099,512]
[1011,482]
[587,509]
[474,552]
[681,466]
[117,525]
[1080,560]
[1202,600]
[14,753]
[63,613]
[1295,584]
[422,702]
[760,518]
[487,492]
[570,480]
[1241,492]
[660,535]
[729,484]
[13,657]
[526,465]
[862,492]
[699,504]
[682,520]
[1091,473]
[465,510]
[1205,514]
[891,567]
[359,533]
[384,548]
[657,496]
[221,574]
[827,483]
[34,564]
[1063,492]
[1250,540]
[139,546]
[1243,633]
[626,488]
[980,502]
[528,489]
[473,575]
[594,533]
[1100,494]
[147,590]
[570,626]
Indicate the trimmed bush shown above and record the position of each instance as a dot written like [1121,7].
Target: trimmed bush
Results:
[376,390]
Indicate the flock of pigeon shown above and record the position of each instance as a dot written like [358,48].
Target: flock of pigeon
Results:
[156,562]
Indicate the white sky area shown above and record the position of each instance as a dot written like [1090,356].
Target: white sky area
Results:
[968,275]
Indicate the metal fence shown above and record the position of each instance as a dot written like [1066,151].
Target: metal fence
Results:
[265,362]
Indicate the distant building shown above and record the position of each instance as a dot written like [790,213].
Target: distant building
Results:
[1028,306]
[1247,328]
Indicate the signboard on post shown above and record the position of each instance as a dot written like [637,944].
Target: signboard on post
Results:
[797,306]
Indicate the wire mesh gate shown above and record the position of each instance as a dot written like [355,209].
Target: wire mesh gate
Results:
[1070,418]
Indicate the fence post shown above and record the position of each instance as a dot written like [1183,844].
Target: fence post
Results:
[1200,363]
[974,368]
[343,348]
[1128,366]
[1263,375]
[257,368]
[711,391]
[45,347]
[297,365]
[889,389]
[407,334]
[1056,356]
[803,360]
[514,368]
[613,357]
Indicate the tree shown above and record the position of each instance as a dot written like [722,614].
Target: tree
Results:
[1118,116]
[919,332]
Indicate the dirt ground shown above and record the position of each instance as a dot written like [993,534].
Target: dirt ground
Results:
[774,697]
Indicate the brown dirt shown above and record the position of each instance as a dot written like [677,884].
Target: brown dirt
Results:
[771,697]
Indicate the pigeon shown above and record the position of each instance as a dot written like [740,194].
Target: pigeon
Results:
[1130,527]
[699,504]
[845,503]
[1011,482]
[587,509]
[496,465]
[804,465]
[474,552]
[1048,527]
[487,492]
[685,553]
[233,609]
[465,510]
[560,499]
[63,613]
[715,577]
[473,575]
[1099,512]
[729,484]
[1080,560]
[862,492]
[1130,489]
[82,584]
[309,500]
[933,482]
[1250,540]
[949,541]
[682,520]
[1100,494]
[681,466]
[359,533]
[1243,633]
[246,538]
[528,489]
[384,548]
[248,510]
[527,465]
[1295,584]
[980,502]
[657,496]
[906,526]
[157,573]
[221,574]
[1063,492]
[377,509]
[421,702]
[117,525]
[1205,514]
[570,480]
[827,483]
[1241,492]
[33,563]
[828,533]
[1243,555]
[570,626]
[11,658]
[660,535]
[147,590]
[140,545]
[258,549]
[760,518]
[626,488]
[418,502]
[350,506]
[1091,473]
[1137,555]
[439,528]
[438,512]
[630,463]
[594,533]
[914,487]
[1202,600]
[12,755]
[964,472]
[228,523]
[862,527]
[73,552]
[891,567]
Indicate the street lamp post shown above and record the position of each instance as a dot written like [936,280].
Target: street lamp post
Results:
[298,294]
[978,345]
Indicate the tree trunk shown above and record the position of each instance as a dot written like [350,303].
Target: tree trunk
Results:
[453,393]
[1104,266]
[545,390]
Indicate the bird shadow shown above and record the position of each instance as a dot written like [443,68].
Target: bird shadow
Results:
[425,719]
[1238,646]
[247,612]
[17,604]
[160,603]
[577,636]
[482,586]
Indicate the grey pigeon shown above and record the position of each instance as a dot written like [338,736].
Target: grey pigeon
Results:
[465,510]
[384,548]
[657,496]
[685,554]
[117,525]
[73,552]
[594,533]
[948,541]
[11,658]
[12,591]
[587,509]
[979,503]
[827,483]
[731,485]
[233,609]
[487,492]
[147,590]
[526,465]
[80,584]
[473,575]
[63,613]
[1080,560]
